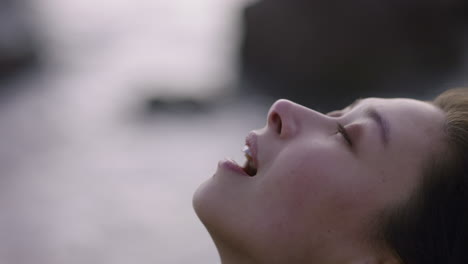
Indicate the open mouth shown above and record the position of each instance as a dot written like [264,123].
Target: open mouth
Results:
[249,166]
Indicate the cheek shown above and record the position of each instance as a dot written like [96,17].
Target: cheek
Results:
[305,180]
[323,182]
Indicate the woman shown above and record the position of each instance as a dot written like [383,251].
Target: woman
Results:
[381,181]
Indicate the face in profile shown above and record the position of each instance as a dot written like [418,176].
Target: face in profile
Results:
[315,183]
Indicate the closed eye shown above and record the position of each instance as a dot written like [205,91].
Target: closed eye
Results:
[345,134]
[336,113]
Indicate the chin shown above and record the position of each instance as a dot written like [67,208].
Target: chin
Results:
[204,201]
[198,199]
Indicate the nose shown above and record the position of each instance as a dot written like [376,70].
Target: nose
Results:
[281,118]
[287,118]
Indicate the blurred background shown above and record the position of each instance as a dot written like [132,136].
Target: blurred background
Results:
[113,112]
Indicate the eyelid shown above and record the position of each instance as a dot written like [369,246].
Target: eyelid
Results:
[342,130]
[336,113]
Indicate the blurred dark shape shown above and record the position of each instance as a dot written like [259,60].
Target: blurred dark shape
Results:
[19,48]
[182,106]
[326,53]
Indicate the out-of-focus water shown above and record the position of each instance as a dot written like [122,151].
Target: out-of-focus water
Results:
[114,191]
[86,177]
[178,46]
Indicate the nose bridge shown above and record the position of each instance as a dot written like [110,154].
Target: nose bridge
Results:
[295,117]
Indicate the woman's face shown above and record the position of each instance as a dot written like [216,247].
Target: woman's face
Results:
[318,187]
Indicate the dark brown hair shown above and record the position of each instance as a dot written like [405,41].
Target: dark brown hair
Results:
[432,227]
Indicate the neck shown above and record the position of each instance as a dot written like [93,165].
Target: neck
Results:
[348,254]
[235,260]
[231,255]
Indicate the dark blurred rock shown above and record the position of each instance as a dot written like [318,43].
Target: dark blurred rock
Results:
[182,106]
[327,53]
[19,48]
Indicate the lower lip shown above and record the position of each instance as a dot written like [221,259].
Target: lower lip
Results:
[230,165]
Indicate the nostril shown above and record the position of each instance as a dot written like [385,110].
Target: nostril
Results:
[276,120]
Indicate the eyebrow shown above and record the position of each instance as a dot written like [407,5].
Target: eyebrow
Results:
[353,104]
[382,122]
[384,125]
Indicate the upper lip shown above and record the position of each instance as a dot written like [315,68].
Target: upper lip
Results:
[251,142]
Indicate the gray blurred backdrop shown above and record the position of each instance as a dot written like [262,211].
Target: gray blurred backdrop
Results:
[112,112]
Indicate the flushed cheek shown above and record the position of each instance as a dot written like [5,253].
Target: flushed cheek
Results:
[295,189]
[309,188]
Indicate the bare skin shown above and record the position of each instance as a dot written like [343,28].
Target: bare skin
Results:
[321,180]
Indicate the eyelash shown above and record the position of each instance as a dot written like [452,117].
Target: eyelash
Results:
[345,134]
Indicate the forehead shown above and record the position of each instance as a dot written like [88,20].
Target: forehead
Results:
[414,111]
[411,121]
[406,103]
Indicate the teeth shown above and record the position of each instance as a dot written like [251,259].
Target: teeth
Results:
[249,166]
[247,151]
